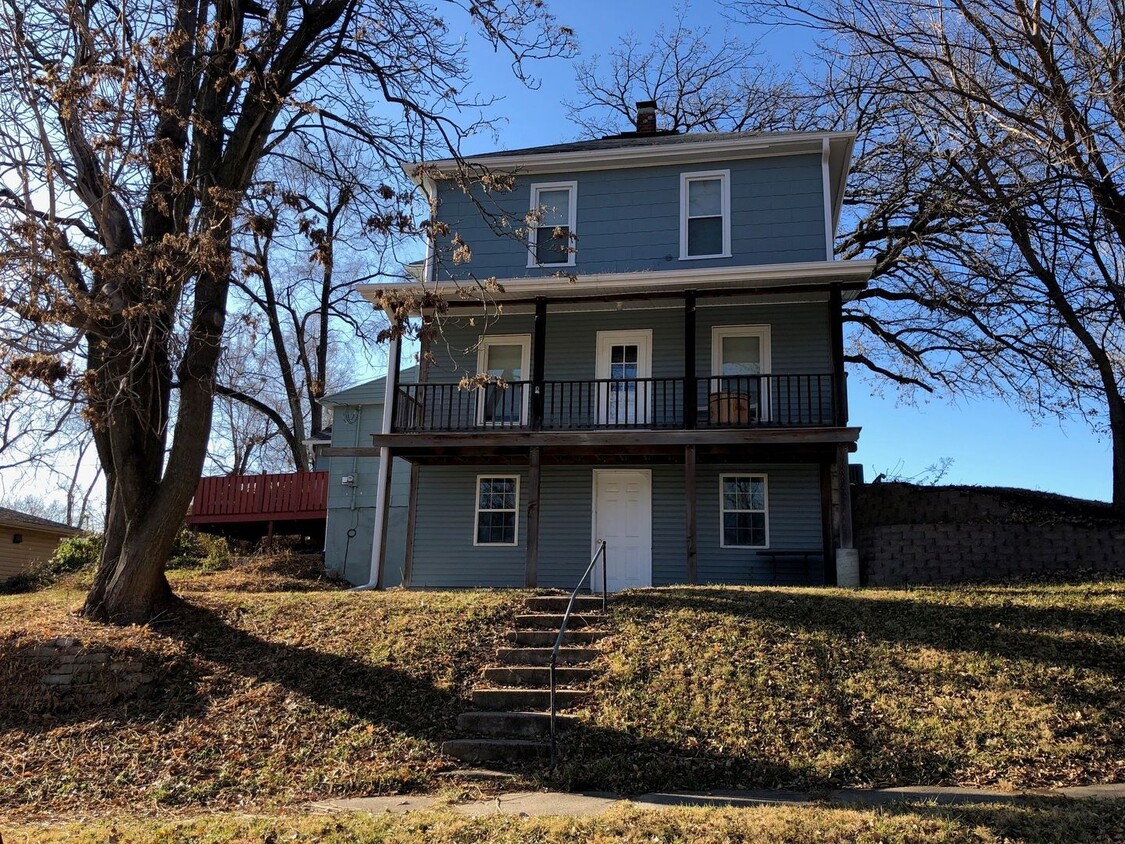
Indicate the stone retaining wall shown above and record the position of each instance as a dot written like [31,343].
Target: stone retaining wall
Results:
[75,675]
[920,535]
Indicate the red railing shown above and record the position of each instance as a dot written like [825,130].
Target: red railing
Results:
[251,498]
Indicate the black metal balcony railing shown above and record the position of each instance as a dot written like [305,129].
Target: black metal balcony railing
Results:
[744,401]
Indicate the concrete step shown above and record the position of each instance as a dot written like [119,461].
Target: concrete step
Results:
[495,750]
[542,656]
[546,638]
[520,700]
[520,725]
[557,603]
[552,621]
[527,675]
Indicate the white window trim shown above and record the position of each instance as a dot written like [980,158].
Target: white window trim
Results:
[606,340]
[524,342]
[766,509]
[685,179]
[477,511]
[764,335]
[572,221]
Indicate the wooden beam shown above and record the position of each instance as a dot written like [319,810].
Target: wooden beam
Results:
[411,522]
[531,575]
[382,515]
[691,408]
[844,490]
[625,439]
[690,514]
[538,361]
[839,375]
[826,523]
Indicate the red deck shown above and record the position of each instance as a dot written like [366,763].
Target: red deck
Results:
[260,498]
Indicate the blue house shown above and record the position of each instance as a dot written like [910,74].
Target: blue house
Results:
[658,320]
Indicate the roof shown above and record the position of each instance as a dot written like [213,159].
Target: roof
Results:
[15,518]
[368,392]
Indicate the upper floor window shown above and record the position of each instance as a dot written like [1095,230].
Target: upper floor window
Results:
[551,224]
[705,214]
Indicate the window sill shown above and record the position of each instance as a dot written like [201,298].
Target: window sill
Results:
[705,257]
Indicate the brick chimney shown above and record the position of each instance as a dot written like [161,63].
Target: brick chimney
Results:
[646,117]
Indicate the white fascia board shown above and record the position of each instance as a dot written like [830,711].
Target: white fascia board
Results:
[718,278]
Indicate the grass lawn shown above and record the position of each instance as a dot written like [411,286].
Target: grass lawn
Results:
[1047,822]
[1009,687]
[265,699]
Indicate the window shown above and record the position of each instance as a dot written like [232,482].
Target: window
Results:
[504,358]
[740,357]
[551,223]
[705,215]
[743,511]
[497,502]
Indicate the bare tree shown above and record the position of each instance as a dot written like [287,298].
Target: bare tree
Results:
[991,191]
[986,185]
[699,81]
[132,133]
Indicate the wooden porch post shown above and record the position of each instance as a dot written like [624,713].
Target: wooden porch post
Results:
[386,458]
[538,352]
[531,578]
[425,340]
[690,526]
[691,405]
[839,376]
[827,531]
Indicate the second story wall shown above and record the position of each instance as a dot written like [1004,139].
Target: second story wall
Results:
[629,219]
[798,339]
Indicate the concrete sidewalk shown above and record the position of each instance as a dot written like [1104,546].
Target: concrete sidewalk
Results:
[558,803]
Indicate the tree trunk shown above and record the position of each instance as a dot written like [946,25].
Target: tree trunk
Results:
[1117,439]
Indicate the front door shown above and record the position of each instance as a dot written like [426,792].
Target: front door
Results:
[624,365]
[623,518]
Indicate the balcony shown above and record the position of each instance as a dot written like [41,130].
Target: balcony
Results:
[665,404]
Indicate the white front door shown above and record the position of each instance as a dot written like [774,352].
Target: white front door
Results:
[624,365]
[623,518]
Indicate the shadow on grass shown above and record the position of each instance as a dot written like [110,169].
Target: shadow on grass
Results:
[218,653]
[1011,630]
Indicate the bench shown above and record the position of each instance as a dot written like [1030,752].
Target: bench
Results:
[803,556]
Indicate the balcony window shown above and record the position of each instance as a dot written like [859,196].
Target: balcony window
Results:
[744,511]
[740,358]
[497,509]
[705,215]
[551,222]
[504,359]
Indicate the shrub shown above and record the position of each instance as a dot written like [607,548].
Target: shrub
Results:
[199,551]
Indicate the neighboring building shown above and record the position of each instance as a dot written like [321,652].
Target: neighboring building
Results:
[671,352]
[25,540]
[357,413]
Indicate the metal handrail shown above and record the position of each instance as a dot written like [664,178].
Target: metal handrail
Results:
[562,632]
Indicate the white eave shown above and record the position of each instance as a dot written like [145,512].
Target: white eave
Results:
[746,279]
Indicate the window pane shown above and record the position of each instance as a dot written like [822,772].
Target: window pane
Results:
[554,207]
[552,249]
[741,356]
[744,529]
[504,361]
[705,198]
[705,236]
[496,528]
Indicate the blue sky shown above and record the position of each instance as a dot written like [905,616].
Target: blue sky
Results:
[988,442]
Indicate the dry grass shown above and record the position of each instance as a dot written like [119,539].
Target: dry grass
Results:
[266,699]
[1008,687]
[260,700]
[1042,823]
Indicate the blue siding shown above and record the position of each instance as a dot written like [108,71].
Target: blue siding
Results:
[353,507]
[445,556]
[628,219]
[799,337]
